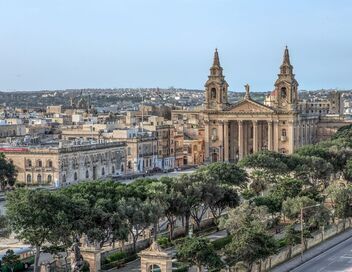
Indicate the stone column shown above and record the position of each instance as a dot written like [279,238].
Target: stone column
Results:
[221,140]
[93,257]
[301,133]
[260,136]
[240,140]
[270,135]
[226,141]
[307,133]
[255,136]
[206,141]
[276,136]
[232,151]
[291,138]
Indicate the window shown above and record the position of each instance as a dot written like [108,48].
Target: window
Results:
[29,178]
[128,151]
[39,163]
[113,169]
[213,93]
[283,132]
[129,165]
[39,178]
[283,92]
[49,163]
[29,163]
[214,132]
[75,176]
[50,178]
[87,174]
[103,171]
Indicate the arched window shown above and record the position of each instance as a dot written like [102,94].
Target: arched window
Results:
[39,178]
[29,178]
[154,268]
[103,171]
[50,178]
[122,168]
[283,132]
[113,170]
[213,93]
[214,132]
[75,176]
[29,163]
[129,165]
[283,92]
[64,178]
[87,174]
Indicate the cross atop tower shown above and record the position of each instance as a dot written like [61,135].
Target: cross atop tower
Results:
[216,61]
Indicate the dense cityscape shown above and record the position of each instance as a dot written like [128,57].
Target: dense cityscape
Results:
[162,179]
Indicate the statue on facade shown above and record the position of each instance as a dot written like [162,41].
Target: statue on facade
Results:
[247,95]
[77,261]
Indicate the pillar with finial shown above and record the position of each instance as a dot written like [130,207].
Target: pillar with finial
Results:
[247,95]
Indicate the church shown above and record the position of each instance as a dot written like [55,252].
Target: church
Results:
[280,124]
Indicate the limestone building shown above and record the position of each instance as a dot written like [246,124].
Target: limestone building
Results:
[56,165]
[233,131]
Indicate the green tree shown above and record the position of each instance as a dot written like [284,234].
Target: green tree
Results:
[139,215]
[10,259]
[272,163]
[225,173]
[348,170]
[250,242]
[189,193]
[199,252]
[4,230]
[32,216]
[247,214]
[260,181]
[8,172]
[341,200]
[291,207]
[314,170]
[227,197]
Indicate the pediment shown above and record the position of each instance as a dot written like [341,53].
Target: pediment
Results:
[249,106]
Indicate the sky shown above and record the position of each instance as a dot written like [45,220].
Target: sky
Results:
[61,44]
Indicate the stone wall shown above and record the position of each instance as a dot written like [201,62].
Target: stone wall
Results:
[286,253]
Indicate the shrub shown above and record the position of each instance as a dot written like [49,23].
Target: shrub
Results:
[222,242]
[115,257]
[163,241]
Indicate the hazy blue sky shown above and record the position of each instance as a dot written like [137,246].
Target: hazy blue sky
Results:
[56,44]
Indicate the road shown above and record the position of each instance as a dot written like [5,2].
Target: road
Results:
[331,256]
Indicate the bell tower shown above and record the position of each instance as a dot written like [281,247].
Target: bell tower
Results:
[286,86]
[216,87]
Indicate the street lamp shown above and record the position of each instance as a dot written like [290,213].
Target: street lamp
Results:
[302,238]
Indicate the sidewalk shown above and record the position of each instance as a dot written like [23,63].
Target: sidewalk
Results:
[313,252]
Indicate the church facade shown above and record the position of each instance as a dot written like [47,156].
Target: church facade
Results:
[233,131]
